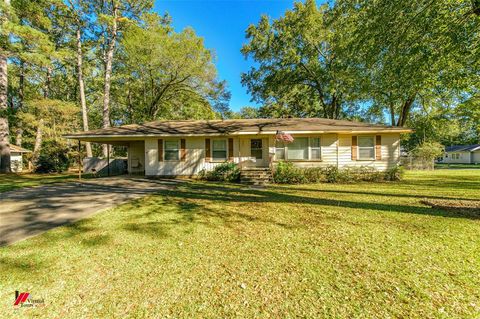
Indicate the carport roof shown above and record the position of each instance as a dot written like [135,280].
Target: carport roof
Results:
[238,127]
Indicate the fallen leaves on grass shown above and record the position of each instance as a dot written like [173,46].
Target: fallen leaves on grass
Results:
[464,207]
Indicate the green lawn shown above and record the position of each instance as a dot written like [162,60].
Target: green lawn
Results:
[10,182]
[221,251]
[443,165]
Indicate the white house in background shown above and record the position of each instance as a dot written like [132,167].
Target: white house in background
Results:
[461,154]
[16,158]
[184,148]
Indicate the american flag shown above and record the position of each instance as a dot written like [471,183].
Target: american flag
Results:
[283,137]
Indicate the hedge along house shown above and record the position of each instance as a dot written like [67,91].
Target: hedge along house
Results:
[184,148]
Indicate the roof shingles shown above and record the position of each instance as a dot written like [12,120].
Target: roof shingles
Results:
[222,127]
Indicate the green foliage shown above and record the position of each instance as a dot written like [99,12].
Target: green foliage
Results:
[54,158]
[300,70]
[394,174]
[410,49]
[428,150]
[288,173]
[224,172]
[168,75]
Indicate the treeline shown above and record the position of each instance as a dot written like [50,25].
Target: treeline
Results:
[414,63]
[68,65]
[81,64]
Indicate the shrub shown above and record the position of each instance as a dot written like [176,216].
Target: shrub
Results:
[314,174]
[287,173]
[394,174]
[428,150]
[225,172]
[332,175]
[54,158]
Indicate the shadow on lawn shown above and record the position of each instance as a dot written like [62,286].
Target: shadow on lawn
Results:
[371,193]
[234,194]
[30,211]
[49,210]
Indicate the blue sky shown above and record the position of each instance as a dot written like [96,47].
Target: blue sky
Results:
[222,23]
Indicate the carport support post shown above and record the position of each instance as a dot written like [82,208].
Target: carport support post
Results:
[79,161]
[108,159]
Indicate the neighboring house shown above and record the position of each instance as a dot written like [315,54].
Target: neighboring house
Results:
[16,158]
[461,154]
[174,148]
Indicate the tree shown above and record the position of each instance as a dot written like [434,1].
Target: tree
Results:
[113,13]
[4,130]
[168,75]
[17,40]
[407,49]
[300,68]
[80,11]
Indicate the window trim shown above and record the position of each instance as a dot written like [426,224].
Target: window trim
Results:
[309,148]
[165,149]
[261,148]
[374,148]
[214,160]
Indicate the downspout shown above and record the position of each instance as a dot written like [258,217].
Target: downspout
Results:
[337,151]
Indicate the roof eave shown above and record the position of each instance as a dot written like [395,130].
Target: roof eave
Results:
[370,131]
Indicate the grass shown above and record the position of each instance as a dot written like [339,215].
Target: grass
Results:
[220,251]
[10,182]
[457,166]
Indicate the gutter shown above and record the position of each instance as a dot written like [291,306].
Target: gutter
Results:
[79,136]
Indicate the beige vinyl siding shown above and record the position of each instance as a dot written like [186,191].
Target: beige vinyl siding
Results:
[328,147]
[195,154]
[390,149]
[476,157]
[194,160]
[464,158]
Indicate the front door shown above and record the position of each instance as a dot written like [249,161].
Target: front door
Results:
[256,149]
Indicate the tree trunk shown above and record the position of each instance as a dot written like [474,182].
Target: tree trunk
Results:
[4,131]
[38,142]
[18,138]
[81,87]
[21,84]
[48,80]
[108,73]
[392,114]
[405,111]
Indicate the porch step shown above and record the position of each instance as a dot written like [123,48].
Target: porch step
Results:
[255,176]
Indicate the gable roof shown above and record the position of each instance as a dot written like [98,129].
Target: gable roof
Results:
[462,148]
[18,149]
[237,127]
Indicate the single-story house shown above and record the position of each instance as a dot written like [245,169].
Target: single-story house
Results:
[16,158]
[461,154]
[184,148]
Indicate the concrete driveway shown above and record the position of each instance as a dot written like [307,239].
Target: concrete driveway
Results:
[30,211]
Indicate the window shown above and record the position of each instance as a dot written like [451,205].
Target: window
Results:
[256,149]
[366,147]
[172,150]
[456,156]
[302,148]
[219,150]
[315,152]
[298,150]
[279,150]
